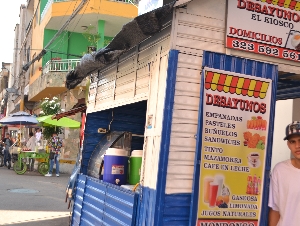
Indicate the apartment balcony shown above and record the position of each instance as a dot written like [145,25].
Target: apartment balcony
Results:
[53,78]
[115,13]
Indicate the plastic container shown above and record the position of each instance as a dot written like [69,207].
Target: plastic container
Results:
[135,166]
[116,151]
[115,166]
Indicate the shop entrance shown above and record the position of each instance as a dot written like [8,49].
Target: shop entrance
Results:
[120,127]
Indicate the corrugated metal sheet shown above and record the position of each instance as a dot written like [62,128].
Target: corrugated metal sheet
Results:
[152,62]
[157,207]
[151,170]
[104,204]
[77,208]
[93,203]
[184,125]
[197,27]
[147,209]
[128,80]
[129,118]
[177,209]
[165,137]
[200,26]
[248,67]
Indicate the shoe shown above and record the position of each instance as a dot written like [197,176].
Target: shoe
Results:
[57,175]
[48,175]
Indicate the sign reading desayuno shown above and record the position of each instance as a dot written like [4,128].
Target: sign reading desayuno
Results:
[269,27]
[236,111]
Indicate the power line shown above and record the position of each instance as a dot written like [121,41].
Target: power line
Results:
[50,50]
[43,52]
[62,39]
[69,36]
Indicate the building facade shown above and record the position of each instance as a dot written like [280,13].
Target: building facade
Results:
[163,76]
[50,39]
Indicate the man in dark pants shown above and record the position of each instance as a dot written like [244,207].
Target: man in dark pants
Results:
[7,144]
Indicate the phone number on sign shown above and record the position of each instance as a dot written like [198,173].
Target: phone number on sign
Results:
[263,49]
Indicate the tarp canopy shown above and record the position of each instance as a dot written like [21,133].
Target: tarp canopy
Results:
[63,122]
[19,118]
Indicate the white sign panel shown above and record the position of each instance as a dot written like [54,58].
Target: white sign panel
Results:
[236,111]
[269,27]
[146,6]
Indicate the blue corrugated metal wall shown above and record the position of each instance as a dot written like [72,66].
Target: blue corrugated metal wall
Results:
[176,210]
[248,67]
[172,209]
[129,118]
[96,202]
[80,187]
[156,207]
[103,204]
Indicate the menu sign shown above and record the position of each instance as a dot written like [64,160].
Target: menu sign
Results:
[269,27]
[236,111]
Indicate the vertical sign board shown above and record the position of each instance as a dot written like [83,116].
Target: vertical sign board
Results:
[265,27]
[236,109]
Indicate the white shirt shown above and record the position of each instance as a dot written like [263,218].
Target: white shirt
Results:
[285,193]
[38,136]
[31,143]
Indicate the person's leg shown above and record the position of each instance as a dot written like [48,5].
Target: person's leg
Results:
[5,157]
[8,159]
[51,168]
[32,164]
[29,164]
[57,164]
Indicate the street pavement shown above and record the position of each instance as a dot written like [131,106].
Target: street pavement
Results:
[32,199]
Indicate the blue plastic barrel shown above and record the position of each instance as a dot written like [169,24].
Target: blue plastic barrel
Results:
[115,166]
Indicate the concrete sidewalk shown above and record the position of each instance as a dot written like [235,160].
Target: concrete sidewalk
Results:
[32,199]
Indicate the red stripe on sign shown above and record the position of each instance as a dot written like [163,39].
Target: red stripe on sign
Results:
[221,82]
[245,86]
[257,88]
[233,84]
[280,2]
[293,4]
[208,79]
[226,222]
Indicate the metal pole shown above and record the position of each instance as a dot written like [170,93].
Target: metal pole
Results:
[22,91]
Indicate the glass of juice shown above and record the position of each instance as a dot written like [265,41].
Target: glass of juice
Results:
[219,180]
[213,191]
[207,181]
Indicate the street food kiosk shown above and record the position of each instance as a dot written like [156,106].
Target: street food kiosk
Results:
[198,96]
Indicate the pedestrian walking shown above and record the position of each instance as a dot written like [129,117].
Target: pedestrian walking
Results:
[7,144]
[55,145]
[284,198]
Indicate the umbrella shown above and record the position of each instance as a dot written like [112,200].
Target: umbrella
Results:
[19,118]
[63,122]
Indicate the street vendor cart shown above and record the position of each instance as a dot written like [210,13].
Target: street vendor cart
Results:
[20,166]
